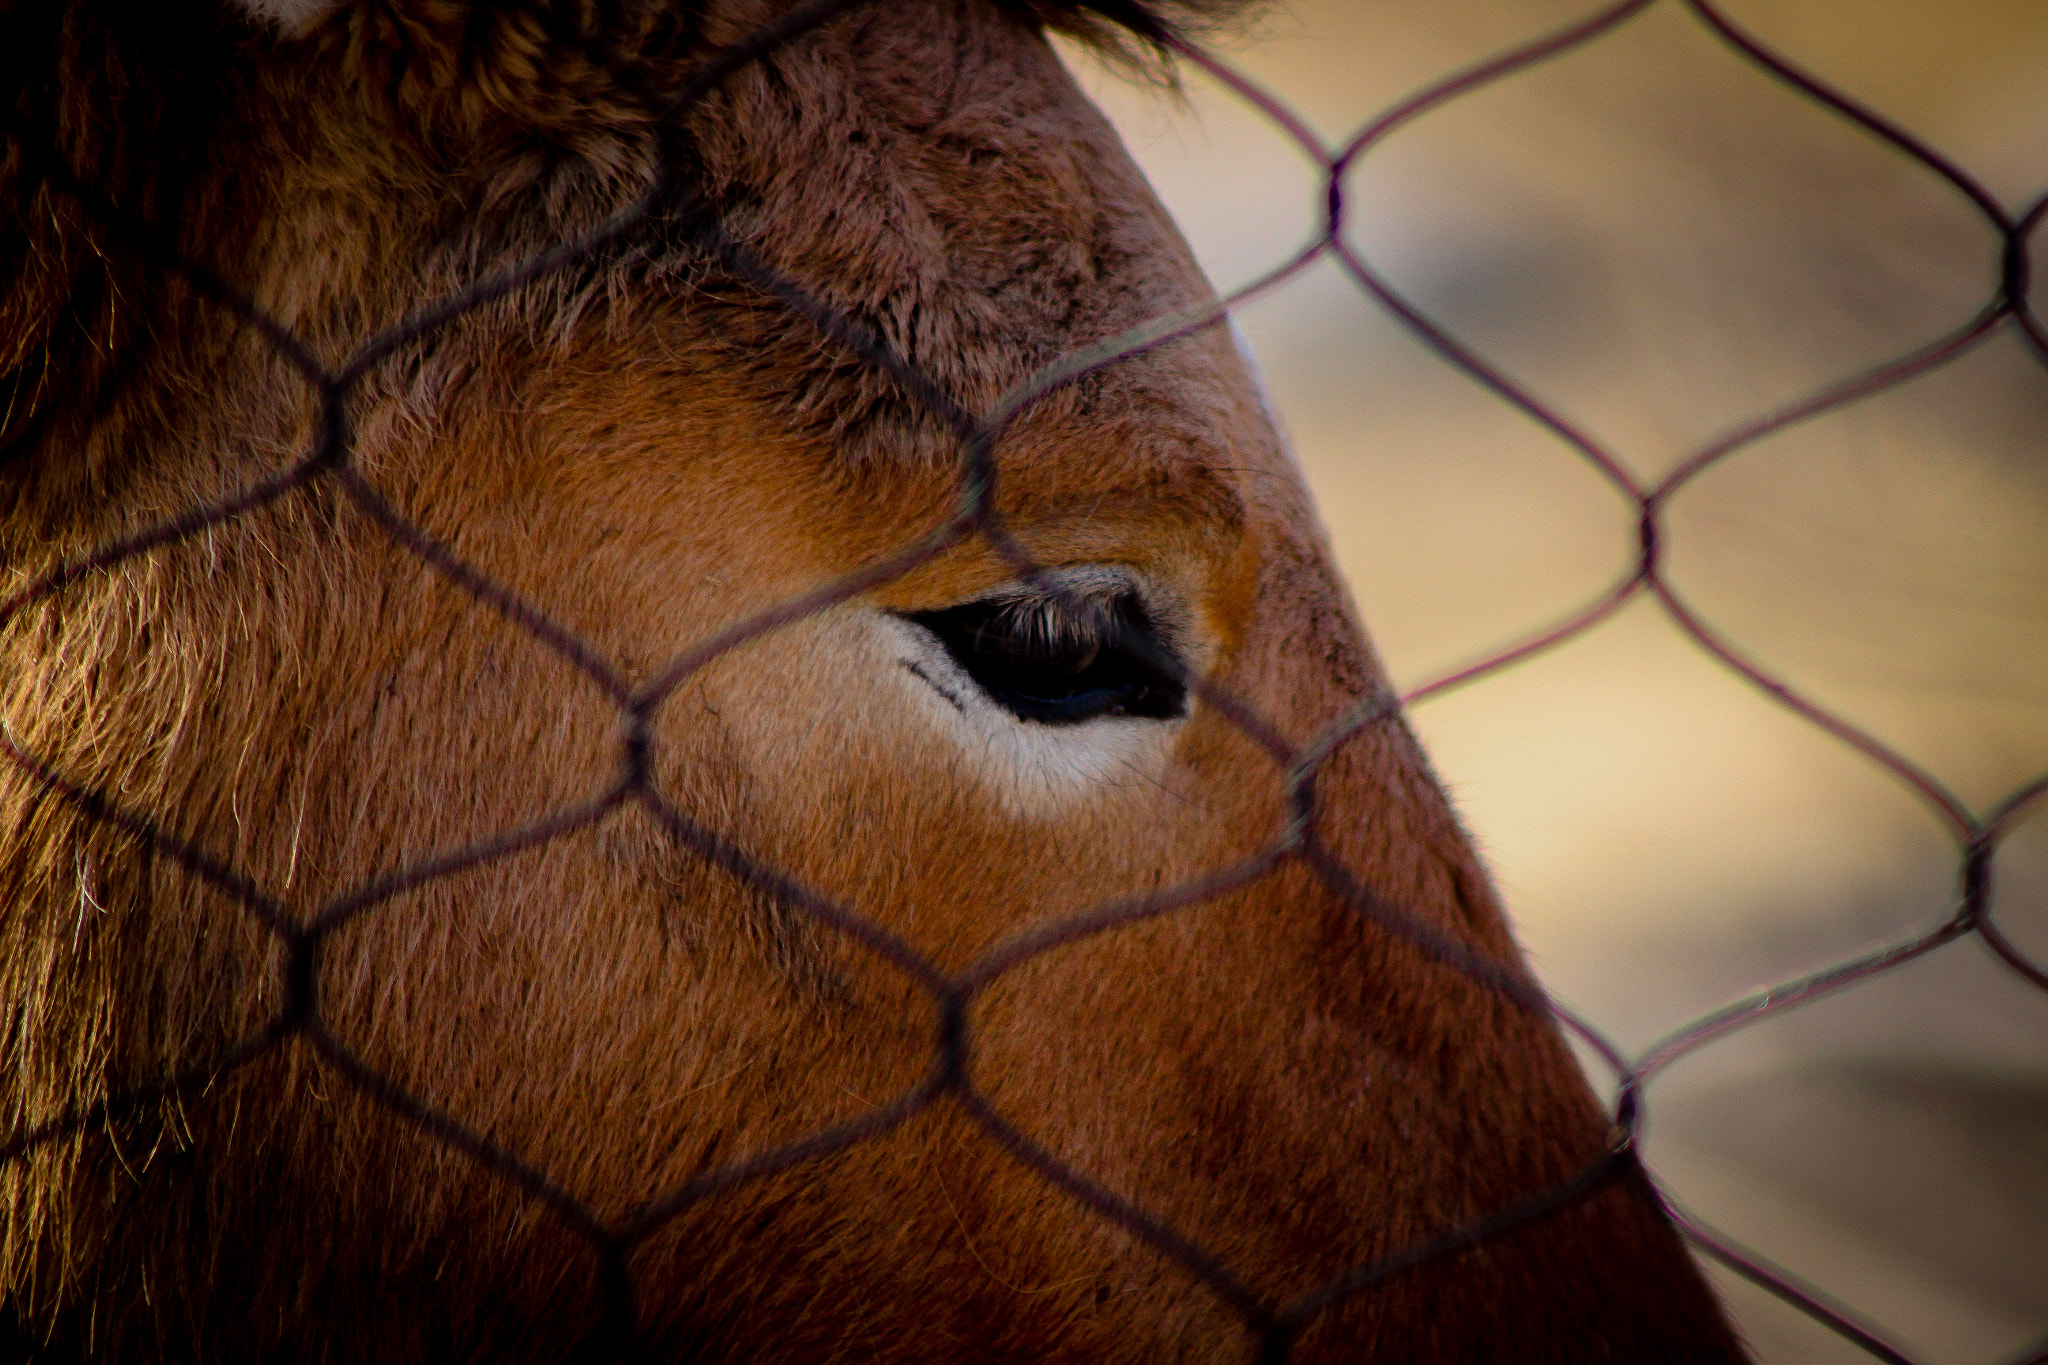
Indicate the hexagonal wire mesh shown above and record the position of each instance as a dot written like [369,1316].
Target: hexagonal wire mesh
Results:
[1976,834]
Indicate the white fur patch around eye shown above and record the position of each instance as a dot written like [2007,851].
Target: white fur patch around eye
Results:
[293,18]
[1036,770]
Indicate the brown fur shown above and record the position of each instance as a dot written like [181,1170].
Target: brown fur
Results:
[649,448]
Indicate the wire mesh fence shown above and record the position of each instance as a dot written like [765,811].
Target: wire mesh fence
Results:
[1271,1327]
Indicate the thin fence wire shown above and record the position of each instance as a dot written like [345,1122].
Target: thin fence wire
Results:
[1271,1326]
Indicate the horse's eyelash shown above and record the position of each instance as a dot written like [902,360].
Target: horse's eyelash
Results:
[1057,622]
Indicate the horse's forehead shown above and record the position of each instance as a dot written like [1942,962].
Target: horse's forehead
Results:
[947,187]
[927,179]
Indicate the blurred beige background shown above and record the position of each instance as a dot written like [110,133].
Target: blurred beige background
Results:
[1661,242]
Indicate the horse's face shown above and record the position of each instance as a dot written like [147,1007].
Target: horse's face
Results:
[716,457]
[854,805]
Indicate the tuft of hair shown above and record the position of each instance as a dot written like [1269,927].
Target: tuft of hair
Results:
[291,17]
[1137,34]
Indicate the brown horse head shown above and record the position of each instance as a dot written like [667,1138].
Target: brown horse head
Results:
[649,710]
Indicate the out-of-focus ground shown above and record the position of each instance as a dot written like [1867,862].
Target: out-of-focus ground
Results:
[1660,241]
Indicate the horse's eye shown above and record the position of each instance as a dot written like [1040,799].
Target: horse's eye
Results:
[1060,659]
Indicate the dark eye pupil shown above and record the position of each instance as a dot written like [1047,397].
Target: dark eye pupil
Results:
[1059,661]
